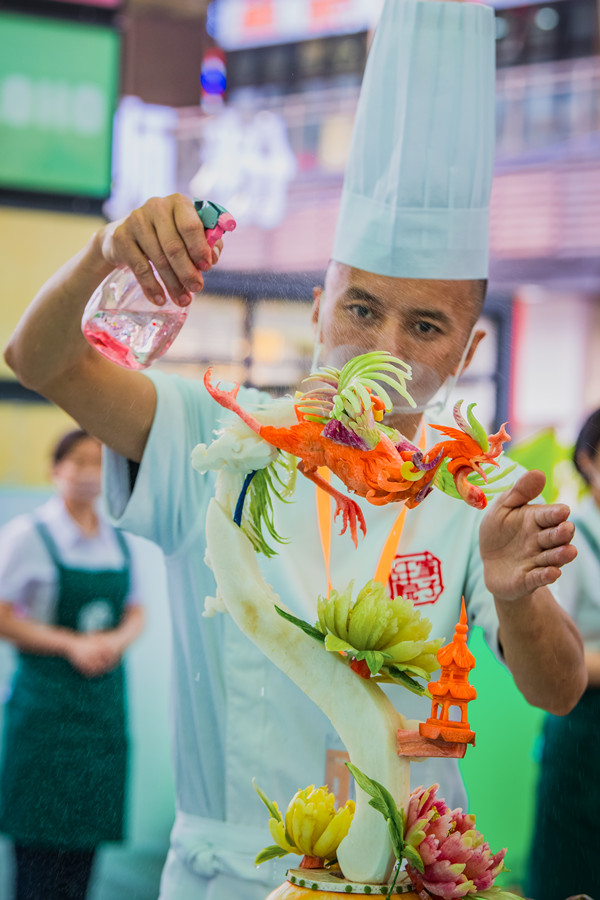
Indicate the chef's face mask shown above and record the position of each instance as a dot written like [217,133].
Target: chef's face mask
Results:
[429,391]
[429,325]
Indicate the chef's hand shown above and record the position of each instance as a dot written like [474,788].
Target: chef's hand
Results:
[93,654]
[524,545]
[167,232]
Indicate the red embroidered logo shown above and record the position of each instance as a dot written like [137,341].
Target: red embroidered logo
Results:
[417,577]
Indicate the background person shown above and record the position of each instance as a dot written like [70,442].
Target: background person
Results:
[69,604]
[409,264]
[569,778]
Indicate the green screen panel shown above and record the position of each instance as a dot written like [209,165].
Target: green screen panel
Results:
[501,771]
[58,89]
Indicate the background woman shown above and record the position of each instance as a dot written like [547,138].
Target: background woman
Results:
[564,855]
[69,604]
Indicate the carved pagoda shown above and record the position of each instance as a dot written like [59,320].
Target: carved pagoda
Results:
[440,735]
[452,690]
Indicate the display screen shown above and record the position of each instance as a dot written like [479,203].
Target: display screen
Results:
[103,4]
[295,67]
[546,31]
[58,90]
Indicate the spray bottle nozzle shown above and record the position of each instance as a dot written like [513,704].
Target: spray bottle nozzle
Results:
[215,218]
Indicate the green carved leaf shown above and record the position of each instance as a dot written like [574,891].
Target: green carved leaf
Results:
[310,630]
[273,811]
[272,852]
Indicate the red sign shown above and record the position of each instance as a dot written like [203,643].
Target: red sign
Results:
[327,12]
[259,15]
[417,577]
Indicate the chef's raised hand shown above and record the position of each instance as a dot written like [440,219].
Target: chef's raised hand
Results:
[523,545]
[167,232]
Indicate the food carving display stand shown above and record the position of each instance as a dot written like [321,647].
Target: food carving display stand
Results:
[338,661]
[439,736]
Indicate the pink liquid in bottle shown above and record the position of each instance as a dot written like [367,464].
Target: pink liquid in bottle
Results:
[134,338]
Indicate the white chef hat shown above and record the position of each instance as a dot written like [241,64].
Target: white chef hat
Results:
[415,202]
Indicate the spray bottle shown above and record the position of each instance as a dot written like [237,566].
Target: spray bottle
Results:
[121,323]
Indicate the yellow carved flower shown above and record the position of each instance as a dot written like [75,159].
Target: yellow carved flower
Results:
[311,827]
[390,636]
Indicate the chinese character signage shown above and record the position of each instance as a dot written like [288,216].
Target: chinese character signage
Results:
[254,23]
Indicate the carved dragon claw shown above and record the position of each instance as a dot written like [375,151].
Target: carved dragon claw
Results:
[228,400]
[351,512]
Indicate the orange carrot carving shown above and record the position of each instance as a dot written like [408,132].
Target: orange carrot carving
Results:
[339,426]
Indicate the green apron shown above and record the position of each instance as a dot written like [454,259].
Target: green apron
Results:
[62,782]
[564,853]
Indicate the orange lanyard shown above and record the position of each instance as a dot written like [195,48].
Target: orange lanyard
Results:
[390,548]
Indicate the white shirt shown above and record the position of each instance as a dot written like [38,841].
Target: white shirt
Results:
[28,576]
[580,580]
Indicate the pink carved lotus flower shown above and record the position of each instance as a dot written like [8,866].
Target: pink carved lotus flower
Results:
[456,857]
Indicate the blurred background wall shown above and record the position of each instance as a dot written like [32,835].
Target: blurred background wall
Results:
[250,103]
